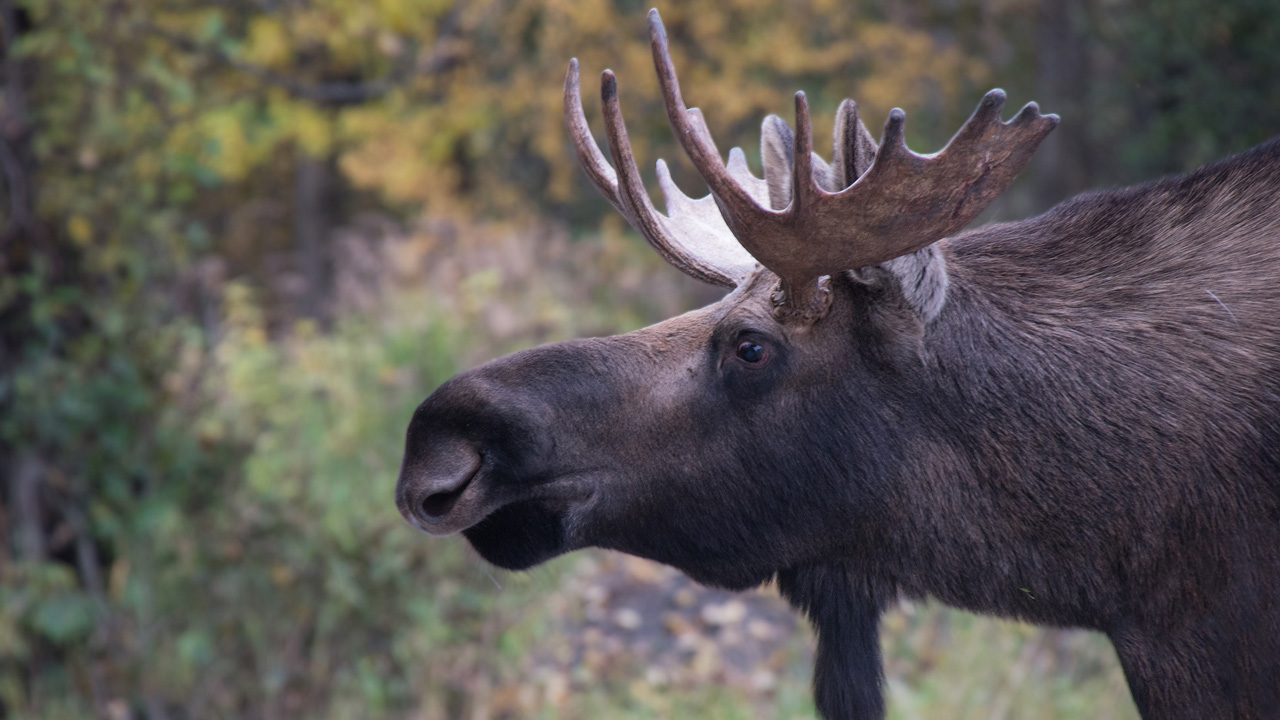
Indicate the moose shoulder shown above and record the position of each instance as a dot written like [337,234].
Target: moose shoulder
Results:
[1084,405]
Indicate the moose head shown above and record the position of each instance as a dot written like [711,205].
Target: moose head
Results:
[875,409]
[709,440]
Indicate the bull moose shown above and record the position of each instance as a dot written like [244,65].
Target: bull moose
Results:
[1073,420]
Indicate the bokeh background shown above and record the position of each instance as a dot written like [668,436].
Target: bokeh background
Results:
[241,239]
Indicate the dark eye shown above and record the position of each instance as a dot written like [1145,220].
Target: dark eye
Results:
[750,351]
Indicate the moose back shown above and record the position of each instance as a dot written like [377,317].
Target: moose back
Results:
[1073,420]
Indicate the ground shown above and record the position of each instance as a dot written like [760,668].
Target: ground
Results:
[619,637]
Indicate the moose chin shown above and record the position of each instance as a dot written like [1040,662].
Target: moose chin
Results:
[1085,404]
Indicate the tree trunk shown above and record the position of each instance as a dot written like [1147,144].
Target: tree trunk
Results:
[312,193]
[26,475]
[1063,164]
[17,158]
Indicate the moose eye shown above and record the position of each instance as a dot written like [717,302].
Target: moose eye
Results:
[751,351]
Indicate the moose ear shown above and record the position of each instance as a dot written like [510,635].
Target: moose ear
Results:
[921,279]
[777,152]
[855,149]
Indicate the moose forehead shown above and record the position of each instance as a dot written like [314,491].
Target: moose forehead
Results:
[749,308]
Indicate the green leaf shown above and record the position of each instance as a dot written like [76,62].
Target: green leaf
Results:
[63,618]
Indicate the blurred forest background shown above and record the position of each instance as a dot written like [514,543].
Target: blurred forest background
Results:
[241,239]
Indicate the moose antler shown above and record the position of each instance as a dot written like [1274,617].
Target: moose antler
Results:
[693,237]
[902,203]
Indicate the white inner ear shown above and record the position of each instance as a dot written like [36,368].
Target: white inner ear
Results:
[776,148]
[921,277]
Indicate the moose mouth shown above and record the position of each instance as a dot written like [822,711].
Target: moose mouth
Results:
[532,524]
[514,523]
[522,534]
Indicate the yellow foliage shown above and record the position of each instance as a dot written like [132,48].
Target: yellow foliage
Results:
[409,16]
[268,43]
[79,229]
[907,66]
[495,108]
[310,126]
[404,157]
[473,117]
[223,144]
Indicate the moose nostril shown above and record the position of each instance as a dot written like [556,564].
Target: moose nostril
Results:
[435,486]
[439,505]
[431,486]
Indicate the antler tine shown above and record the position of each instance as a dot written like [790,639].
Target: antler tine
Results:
[735,202]
[894,139]
[717,257]
[864,224]
[637,207]
[584,144]
[854,147]
[802,182]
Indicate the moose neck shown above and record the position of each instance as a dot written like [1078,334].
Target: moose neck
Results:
[1072,404]
[1075,373]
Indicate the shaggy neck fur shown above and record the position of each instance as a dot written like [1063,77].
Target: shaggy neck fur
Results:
[1096,443]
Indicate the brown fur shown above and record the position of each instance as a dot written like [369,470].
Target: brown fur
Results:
[1091,412]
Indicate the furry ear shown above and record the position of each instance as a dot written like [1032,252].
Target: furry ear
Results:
[900,299]
[855,149]
[921,278]
[777,153]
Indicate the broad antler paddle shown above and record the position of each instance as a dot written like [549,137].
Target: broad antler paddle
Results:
[900,204]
